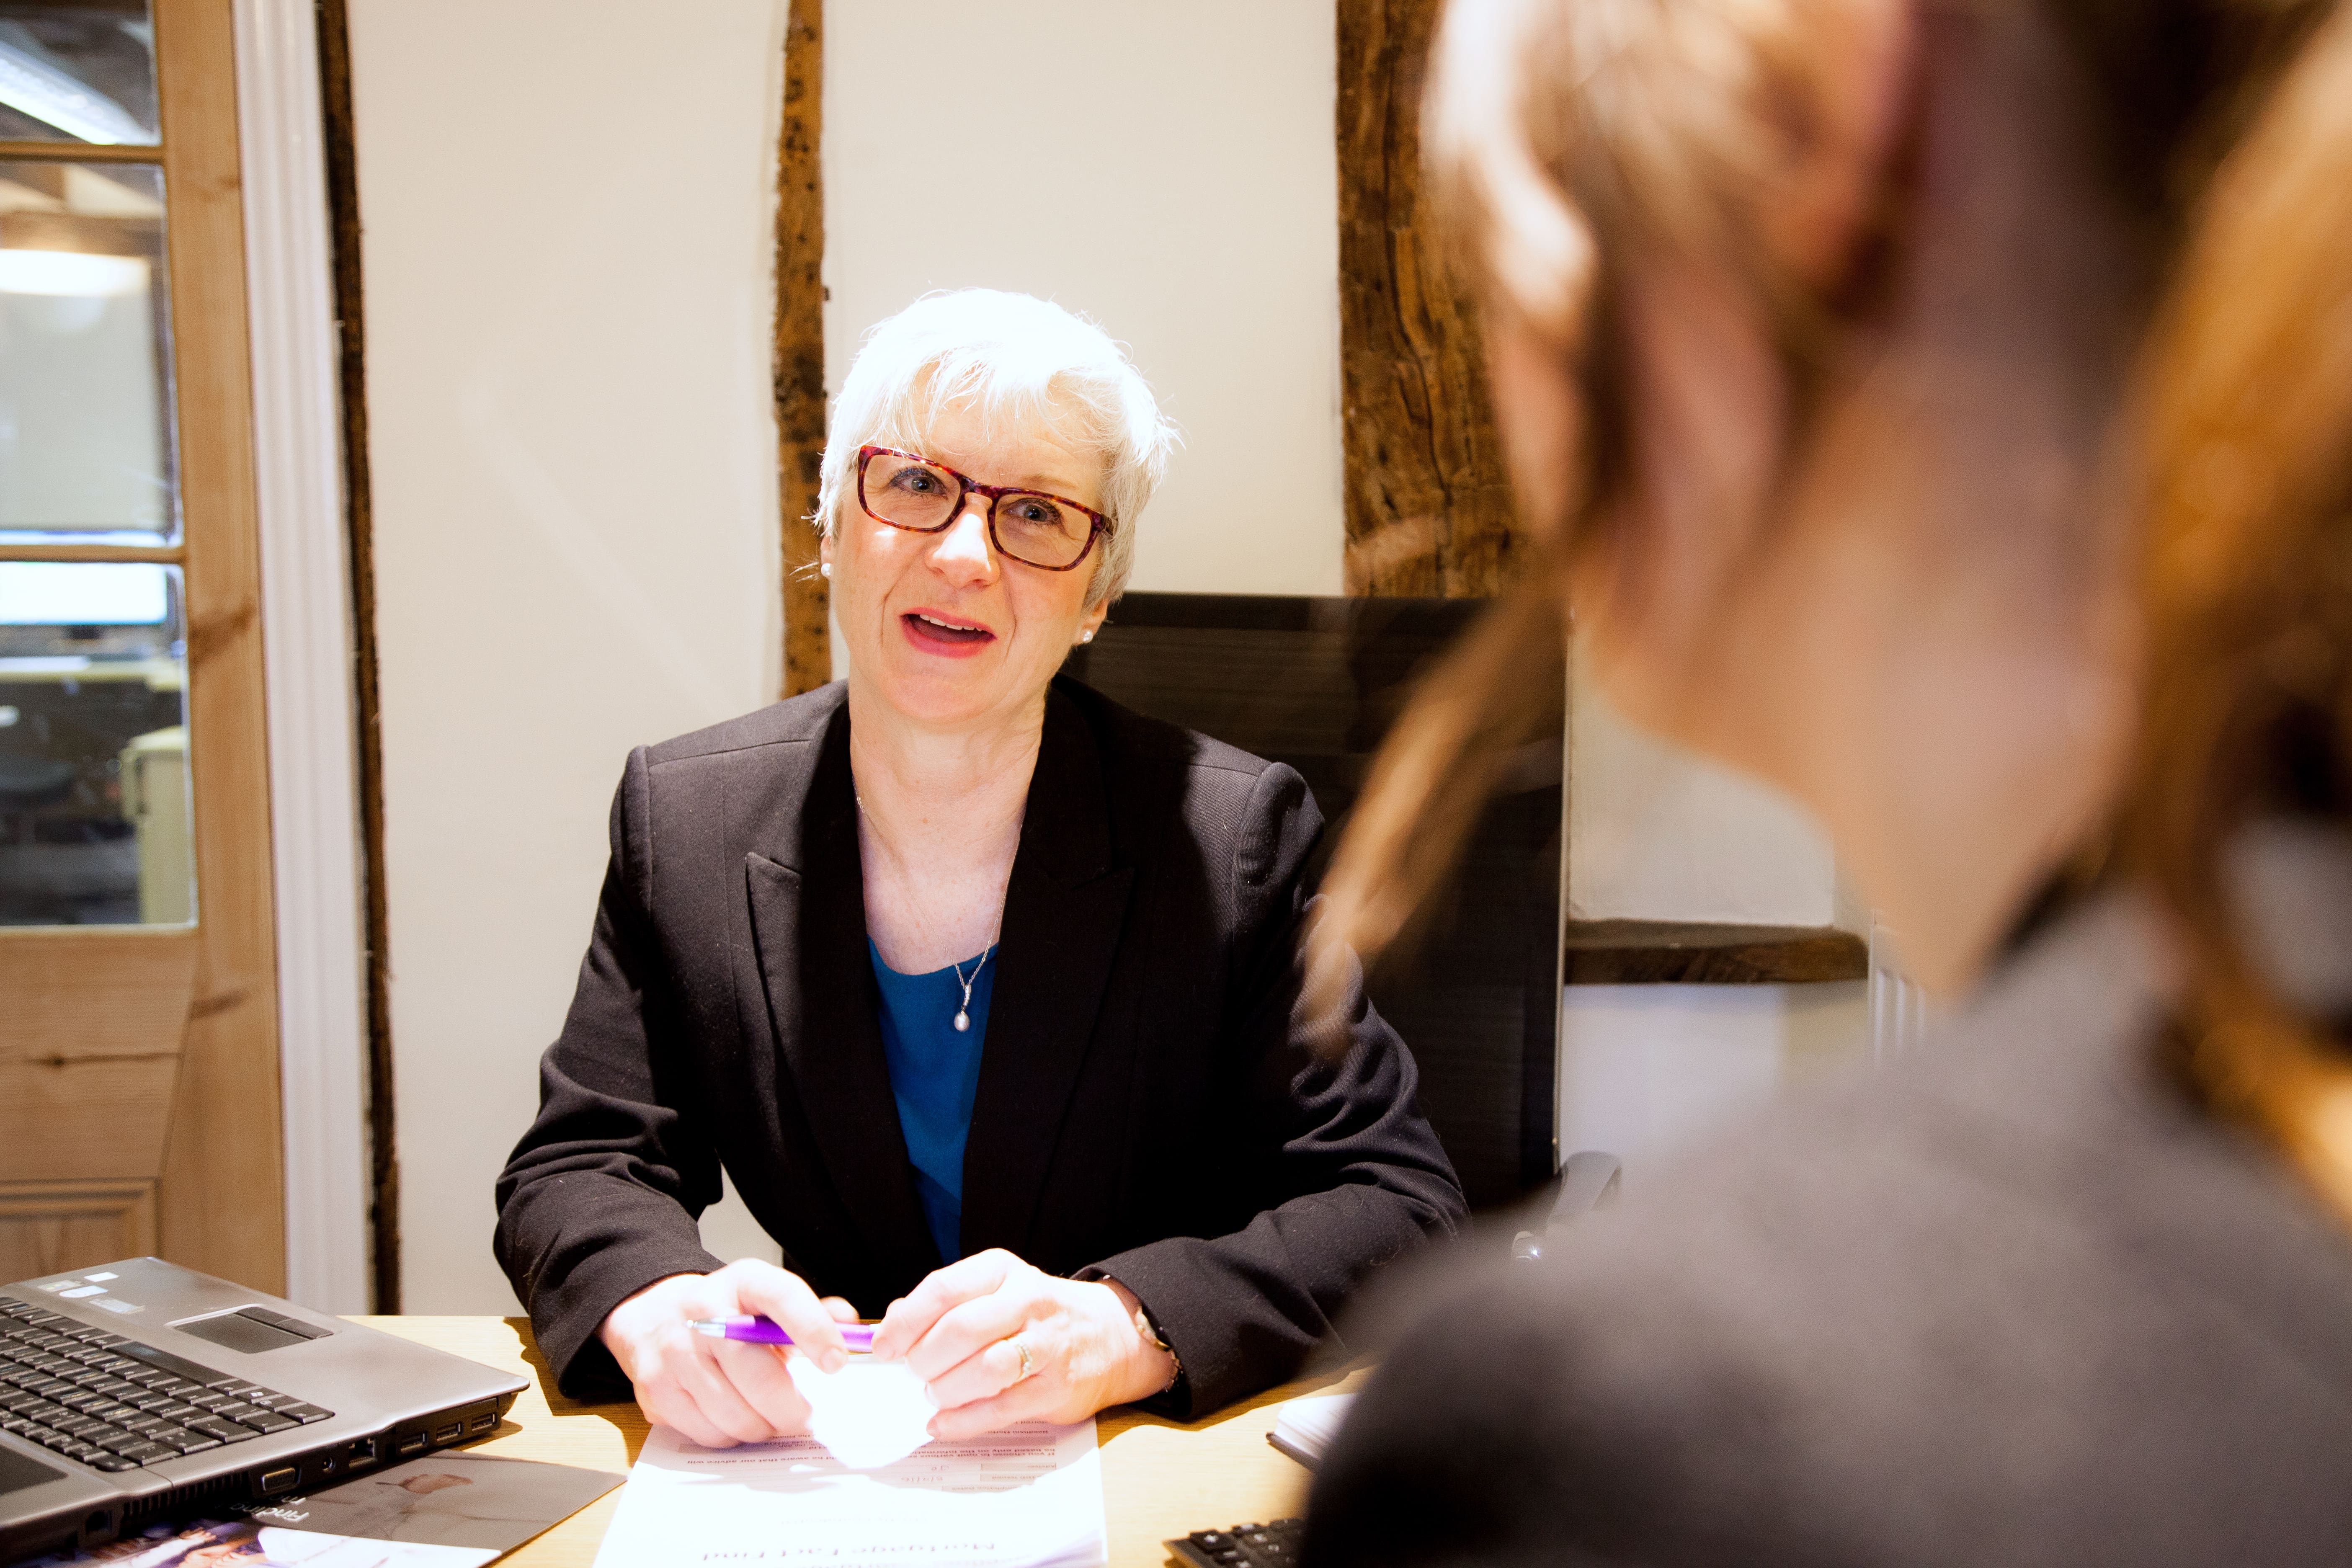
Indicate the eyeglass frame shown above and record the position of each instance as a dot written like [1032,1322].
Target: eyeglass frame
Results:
[970,488]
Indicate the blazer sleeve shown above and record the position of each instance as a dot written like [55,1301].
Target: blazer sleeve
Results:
[600,1198]
[1354,1176]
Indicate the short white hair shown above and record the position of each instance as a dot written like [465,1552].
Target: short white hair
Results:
[1008,355]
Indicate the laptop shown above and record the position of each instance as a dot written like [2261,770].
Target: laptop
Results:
[135,1391]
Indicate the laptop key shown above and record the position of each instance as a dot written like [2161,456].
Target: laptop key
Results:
[52,1438]
[227,1431]
[85,1452]
[112,1462]
[148,1453]
[186,1442]
[305,1413]
[269,1421]
[210,1398]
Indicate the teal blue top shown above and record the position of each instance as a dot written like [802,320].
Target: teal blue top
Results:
[934,1074]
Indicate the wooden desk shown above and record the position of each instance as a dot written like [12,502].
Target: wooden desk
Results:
[1159,1478]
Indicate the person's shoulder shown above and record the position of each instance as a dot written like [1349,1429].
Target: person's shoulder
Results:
[1838,1323]
[1138,740]
[796,721]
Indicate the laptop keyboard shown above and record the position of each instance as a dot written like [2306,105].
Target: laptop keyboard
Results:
[113,1404]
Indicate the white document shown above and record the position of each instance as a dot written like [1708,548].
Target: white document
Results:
[1030,1495]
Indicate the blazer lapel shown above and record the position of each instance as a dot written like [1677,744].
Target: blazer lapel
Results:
[1065,909]
[808,925]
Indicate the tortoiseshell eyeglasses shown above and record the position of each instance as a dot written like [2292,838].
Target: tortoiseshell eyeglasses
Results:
[921,496]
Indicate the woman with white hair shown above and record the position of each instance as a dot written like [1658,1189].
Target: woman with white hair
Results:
[980,987]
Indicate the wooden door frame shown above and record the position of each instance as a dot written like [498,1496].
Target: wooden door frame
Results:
[221,1203]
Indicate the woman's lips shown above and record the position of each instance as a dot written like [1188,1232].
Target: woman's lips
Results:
[943,636]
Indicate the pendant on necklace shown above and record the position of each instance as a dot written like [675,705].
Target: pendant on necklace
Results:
[962,1020]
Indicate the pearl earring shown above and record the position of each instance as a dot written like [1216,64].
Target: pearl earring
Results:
[824,569]
[1086,636]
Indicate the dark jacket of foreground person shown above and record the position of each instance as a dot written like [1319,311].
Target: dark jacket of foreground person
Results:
[2017,1300]
[1146,1110]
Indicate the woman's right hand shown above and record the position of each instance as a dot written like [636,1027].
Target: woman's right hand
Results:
[719,1393]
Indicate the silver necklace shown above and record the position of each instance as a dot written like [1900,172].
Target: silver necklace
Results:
[963,1014]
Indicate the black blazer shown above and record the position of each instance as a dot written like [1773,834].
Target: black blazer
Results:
[1146,1110]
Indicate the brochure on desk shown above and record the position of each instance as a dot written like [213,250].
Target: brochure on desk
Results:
[445,1510]
[1027,1497]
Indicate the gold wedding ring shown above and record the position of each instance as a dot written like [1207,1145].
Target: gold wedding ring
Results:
[1017,1342]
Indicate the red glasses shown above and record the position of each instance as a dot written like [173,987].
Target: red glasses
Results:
[922,497]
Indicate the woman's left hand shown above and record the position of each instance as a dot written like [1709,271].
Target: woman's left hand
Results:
[963,1331]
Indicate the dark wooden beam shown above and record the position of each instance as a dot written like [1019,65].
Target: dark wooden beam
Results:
[1428,503]
[1661,952]
[340,147]
[800,345]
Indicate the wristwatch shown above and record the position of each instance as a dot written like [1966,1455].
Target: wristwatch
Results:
[1151,1332]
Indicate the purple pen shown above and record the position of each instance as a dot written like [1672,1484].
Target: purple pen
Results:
[764,1331]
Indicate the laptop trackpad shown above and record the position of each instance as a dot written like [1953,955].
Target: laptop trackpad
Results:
[241,1332]
[18,1472]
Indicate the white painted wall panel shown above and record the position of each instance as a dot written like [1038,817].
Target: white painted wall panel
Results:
[1658,833]
[1167,170]
[568,255]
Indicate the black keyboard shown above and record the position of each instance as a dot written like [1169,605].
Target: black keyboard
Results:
[1272,1545]
[113,1404]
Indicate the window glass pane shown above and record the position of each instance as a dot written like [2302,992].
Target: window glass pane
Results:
[86,444]
[94,800]
[77,70]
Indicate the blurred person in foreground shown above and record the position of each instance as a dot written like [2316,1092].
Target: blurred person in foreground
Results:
[1945,412]
[980,985]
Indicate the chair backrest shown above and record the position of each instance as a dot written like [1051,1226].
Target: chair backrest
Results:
[1316,683]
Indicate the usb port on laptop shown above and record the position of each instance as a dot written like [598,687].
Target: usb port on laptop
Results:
[447,1434]
[481,1424]
[412,1443]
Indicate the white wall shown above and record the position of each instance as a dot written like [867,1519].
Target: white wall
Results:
[1165,169]
[1656,832]
[567,214]
[568,252]
[568,233]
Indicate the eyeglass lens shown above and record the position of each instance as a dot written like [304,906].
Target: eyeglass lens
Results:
[1030,526]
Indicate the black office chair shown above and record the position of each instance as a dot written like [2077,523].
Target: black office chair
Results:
[1588,1181]
[1316,683]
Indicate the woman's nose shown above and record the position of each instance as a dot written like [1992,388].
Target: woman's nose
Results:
[965,552]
